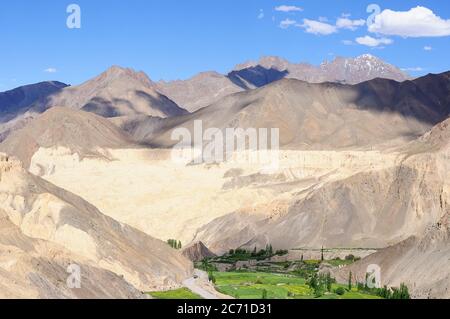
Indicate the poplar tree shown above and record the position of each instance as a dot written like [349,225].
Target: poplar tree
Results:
[350,281]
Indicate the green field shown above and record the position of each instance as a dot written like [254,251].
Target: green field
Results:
[182,293]
[251,285]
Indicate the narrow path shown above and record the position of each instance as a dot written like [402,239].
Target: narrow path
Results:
[200,285]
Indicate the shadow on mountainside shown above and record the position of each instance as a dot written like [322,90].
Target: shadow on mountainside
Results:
[18,100]
[256,77]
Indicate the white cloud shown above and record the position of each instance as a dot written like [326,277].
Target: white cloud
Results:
[428,48]
[261,14]
[317,27]
[347,42]
[286,23]
[373,42]
[322,27]
[417,22]
[285,8]
[346,23]
[50,70]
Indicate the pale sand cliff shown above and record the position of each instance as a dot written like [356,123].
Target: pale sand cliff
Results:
[35,214]
[146,189]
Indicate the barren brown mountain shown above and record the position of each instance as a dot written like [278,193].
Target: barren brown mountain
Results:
[327,115]
[404,206]
[420,262]
[371,208]
[116,92]
[207,88]
[81,132]
[45,229]
[17,101]
[14,104]
[199,91]
[197,252]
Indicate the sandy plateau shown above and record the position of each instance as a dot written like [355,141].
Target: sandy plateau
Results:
[148,190]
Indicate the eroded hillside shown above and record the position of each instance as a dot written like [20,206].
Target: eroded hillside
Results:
[42,220]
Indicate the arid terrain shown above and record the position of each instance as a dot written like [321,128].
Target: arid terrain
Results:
[88,176]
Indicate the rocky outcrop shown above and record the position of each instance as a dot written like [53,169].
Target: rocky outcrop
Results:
[197,252]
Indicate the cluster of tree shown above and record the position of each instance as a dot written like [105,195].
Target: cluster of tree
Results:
[237,252]
[268,252]
[399,293]
[205,265]
[387,293]
[321,283]
[175,244]
[281,252]
[351,258]
[263,253]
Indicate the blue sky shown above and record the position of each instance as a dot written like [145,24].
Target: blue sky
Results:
[175,39]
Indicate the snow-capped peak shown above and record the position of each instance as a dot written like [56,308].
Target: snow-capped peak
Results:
[367,56]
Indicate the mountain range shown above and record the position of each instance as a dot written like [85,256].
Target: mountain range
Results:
[116,92]
[206,88]
[122,92]
[87,176]
[325,115]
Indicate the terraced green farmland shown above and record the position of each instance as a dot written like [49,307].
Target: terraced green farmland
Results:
[257,285]
[182,294]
